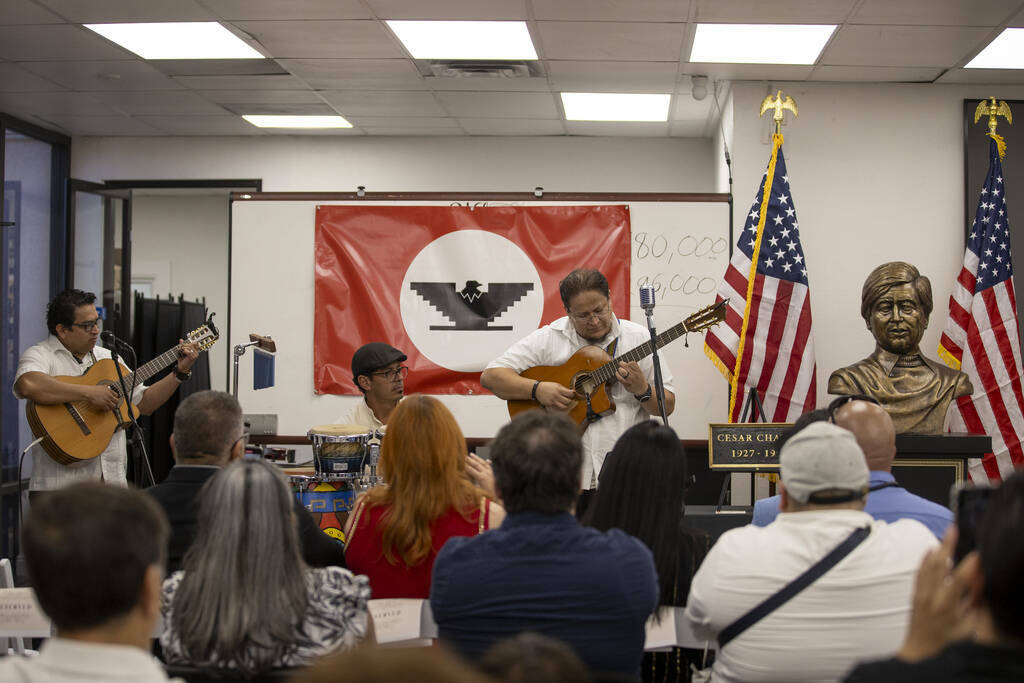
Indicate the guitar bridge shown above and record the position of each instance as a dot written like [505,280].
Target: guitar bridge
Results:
[79,420]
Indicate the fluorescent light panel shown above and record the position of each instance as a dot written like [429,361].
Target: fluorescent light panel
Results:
[760,43]
[177,40]
[278,121]
[601,106]
[1005,52]
[465,39]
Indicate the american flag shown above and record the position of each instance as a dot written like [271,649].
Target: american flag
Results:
[766,341]
[981,335]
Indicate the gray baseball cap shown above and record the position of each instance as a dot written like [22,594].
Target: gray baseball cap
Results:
[824,458]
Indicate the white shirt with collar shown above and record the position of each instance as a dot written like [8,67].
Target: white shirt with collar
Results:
[363,416]
[554,344]
[856,611]
[61,660]
[51,357]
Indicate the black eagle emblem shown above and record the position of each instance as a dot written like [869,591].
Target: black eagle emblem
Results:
[469,308]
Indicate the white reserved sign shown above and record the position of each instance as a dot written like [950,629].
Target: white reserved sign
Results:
[21,616]
[396,619]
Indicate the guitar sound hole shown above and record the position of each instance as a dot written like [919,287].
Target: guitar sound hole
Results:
[584,385]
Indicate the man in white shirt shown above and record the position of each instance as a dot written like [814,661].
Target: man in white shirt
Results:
[70,350]
[95,557]
[378,372]
[590,321]
[858,610]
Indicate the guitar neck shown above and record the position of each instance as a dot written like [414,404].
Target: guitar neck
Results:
[154,366]
[607,371]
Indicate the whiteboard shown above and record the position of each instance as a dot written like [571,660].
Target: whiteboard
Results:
[681,248]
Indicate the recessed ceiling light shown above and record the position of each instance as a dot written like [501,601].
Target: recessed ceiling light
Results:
[283,121]
[604,106]
[1005,52]
[465,39]
[177,40]
[760,43]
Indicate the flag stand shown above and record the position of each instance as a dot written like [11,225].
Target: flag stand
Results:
[753,402]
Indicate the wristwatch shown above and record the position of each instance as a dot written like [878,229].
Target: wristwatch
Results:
[644,397]
[183,376]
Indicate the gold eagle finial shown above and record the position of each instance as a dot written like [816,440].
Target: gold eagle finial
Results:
[993,110]
[777,103]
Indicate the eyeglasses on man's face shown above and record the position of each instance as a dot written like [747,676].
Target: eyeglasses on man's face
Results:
[391,375]
[598,313]
[88,325]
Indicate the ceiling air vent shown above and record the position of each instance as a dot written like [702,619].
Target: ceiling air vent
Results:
[466,68]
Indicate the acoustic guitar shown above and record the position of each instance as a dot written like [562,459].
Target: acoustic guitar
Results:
[590,370]
[74,432]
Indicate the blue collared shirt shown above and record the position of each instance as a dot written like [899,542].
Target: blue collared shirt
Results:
[547,573]
[887,504]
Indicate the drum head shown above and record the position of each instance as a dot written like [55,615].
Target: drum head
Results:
[338,430]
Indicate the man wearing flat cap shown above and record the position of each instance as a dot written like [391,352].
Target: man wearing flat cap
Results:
[378,372]
[857,610]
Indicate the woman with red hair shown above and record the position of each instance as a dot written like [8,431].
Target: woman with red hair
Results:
[395,530]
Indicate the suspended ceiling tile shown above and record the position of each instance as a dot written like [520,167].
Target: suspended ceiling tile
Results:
[611,10]
[313,132]
[292,9]
[260,96]
[775,12]
[122,11]
[464,10]
[499,105]
[1017,21]
[685,108]
[689,129]
[107,75]
[512,126]
[218,67]
[410,132]
[324,39]
[983,76]
[242,82]
[876,74]
[631,129]
[528,84]
[114,126]
[750,72]
[158,103]
[56,103]
[202,125]
[356,74]
[14,78]
[937,46]
[620,41]
[402,122]
[26,12]
[371,103]
[932,12]
[631,77]
[56,42]
[301,109]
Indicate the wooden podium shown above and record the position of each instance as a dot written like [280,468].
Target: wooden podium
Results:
[929,464]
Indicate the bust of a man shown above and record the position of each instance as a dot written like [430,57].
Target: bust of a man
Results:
[896,302]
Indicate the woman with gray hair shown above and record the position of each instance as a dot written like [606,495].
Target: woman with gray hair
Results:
[246,600]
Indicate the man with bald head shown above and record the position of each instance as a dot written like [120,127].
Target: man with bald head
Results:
[887,500]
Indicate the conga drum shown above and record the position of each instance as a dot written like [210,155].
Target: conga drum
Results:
[340,451]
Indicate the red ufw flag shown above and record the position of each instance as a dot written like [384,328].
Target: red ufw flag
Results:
[451,286]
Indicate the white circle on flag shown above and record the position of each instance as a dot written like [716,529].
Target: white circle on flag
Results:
[468,296]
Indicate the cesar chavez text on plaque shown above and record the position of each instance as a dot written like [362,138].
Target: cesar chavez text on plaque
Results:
[745,446]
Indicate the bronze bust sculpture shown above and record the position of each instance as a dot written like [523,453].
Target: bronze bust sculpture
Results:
[896,302]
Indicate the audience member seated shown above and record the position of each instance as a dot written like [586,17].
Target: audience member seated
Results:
[246,600]
[542,571]
[857,610]
[533,658]
[643,482]
[876,435]
[392,665]
[968,622]
[208,434]
[395,531]
[95,556]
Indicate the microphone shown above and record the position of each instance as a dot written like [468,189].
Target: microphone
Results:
[647,298]
[108,337]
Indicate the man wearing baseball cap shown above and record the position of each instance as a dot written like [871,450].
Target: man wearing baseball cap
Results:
[857,609]
[378,372]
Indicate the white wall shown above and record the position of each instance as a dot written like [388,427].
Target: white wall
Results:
[182,242]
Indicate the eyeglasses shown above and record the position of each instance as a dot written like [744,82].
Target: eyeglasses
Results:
[391,375]
[841,401]
[585,317]
[88,325]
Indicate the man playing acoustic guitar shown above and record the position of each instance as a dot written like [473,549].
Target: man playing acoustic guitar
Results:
[74,326]
[590,322]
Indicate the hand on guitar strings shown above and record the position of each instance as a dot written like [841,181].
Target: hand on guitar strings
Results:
[554,395]
[632,377]
[102,396]
[187,355]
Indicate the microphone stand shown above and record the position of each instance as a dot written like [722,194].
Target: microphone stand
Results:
[659,384]
[136,433]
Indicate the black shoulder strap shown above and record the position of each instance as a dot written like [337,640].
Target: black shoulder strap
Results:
[791,589]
